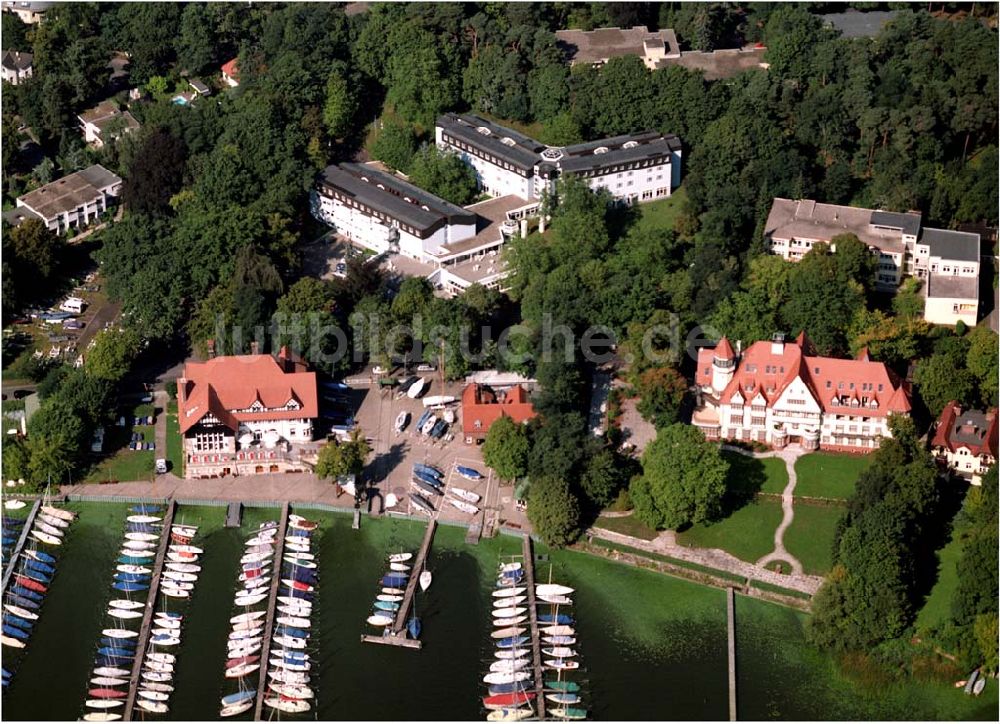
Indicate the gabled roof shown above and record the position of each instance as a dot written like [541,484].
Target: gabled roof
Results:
[957,245]
[838,385]
[231,69]
[482,406]
[227,387]
[972,429]
[15,60]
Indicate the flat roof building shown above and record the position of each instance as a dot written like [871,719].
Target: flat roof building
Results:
[599,46]
[947,261]
[72,201]
[635,167]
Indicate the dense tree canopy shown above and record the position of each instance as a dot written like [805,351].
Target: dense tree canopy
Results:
[683,479]
[506,448]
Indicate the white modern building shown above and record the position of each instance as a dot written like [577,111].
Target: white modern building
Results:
[635,168]
[72,201]
[946,261]
[105,123]
[383,212]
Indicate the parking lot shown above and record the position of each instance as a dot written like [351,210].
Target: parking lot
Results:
[394,454]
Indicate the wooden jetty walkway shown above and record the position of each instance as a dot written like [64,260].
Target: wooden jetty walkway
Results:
[731,615]
[265,649]
[147,615]
[396,634]
[19,546]
[528,562]
[234,515]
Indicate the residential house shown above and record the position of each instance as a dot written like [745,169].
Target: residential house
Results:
[28,12]
[635,167]
[779,392]
[965,441]
[105,123]
[597,47]
[483,405]
[231,73]
[16,66]
[72,201]
[246,414]
[947,261]
[199,87]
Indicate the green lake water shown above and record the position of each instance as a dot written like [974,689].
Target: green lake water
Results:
[651,646]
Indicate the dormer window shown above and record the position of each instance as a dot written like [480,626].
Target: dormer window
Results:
[601,149]
[484,130]
[507,141]
[292,405]
[630,144]
[257,406]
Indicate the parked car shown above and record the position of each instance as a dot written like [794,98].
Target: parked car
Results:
[161,466]
[379,370]
[426,368]
[21,394]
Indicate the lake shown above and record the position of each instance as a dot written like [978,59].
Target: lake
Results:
[651,646]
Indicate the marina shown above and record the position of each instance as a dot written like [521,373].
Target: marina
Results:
[150,608]
[272,598]
[641,631]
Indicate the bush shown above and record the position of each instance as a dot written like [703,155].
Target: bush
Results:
[622,503]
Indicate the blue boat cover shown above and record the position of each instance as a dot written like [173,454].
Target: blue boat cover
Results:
[124,586]
[560,618]
[27,593]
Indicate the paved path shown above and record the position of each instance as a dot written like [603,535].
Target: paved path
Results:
[790,454]
[666,544]
[160,400]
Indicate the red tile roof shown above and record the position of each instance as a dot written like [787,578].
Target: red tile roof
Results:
[724,350]
[966,428]
[481,407]
[224,385]
[835,383]
[231,70]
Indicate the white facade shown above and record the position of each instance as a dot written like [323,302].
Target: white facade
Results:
[495,177]
[635,185]
[951,310]
[385,234]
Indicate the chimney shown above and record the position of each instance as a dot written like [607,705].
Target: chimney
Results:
[778,343]
[182,384]
[254,347]
[211,348]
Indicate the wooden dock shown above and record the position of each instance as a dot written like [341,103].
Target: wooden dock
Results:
[234,515]
[528,562]
[396,633]
[356,523]
[19,546]
[731,615]
[142,643]
[265,649]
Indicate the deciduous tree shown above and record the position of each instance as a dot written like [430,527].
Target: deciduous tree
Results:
[553,510]
[506,448]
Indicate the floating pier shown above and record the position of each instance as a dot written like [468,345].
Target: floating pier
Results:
[528,562]
[29,522]
[356,523]
[265,649]
[234,515]
[396,633]
[730,606]
[147,615]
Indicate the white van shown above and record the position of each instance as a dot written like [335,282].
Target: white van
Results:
[73,304]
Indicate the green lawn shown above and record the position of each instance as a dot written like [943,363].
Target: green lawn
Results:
[829,475]
[747,534]
[175,448]
[937,607]
[749,475]
[627,526]
[662,214]
[810,536]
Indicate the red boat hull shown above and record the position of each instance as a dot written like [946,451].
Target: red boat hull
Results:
[32,584]
[107,694]
[300,586]
[512,699]
[239,662]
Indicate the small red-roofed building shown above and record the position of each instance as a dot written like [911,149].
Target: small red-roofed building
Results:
[780,392]
[231,73]
[245,414]
[483,405]
[965,441]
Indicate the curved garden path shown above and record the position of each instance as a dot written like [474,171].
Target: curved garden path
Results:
[789,455]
